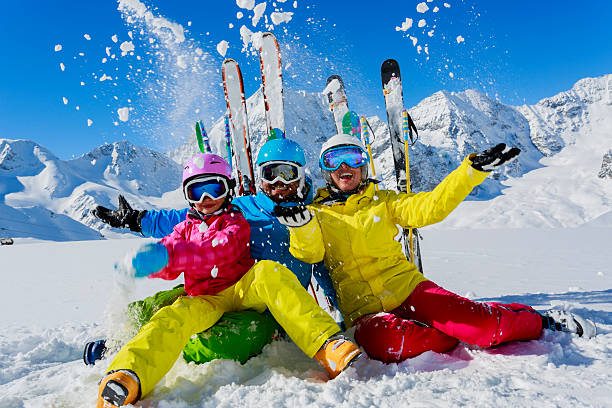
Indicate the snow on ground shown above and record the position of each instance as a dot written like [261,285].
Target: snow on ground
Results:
[56,294]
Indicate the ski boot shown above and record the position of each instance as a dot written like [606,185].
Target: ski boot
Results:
[94,350]
[337,354]
[118,388]
[562,320]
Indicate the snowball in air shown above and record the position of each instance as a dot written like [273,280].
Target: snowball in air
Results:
[124,114]
[246,4]
[422,7]
[405,25]
[222,47]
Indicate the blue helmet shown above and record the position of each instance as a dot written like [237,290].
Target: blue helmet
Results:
[281,150]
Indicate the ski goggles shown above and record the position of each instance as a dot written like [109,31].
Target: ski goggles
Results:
[352,156]
[198,189]
[285,172]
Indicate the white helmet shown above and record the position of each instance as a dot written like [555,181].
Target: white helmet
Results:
[338,140]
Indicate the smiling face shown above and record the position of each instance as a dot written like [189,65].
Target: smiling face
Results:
[208,205]
[346,178]
[280,191]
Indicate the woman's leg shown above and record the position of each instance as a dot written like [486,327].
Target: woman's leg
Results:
[391,339]
[477,323]
[158,344]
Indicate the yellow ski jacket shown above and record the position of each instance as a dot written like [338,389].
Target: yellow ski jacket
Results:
[356,240]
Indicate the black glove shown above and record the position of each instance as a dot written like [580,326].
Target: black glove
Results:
[122,217]
[494,158]
[294,216]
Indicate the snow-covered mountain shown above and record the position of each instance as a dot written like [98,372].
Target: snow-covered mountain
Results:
[44,197]
[561,177]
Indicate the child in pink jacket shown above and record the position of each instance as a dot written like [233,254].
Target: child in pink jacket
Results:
[211,248]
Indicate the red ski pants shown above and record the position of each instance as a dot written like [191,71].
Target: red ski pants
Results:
[394,336]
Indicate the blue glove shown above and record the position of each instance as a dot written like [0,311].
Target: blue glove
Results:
[149,259]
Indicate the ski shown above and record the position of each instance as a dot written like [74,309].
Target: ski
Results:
[202,137]
[233,87]
[394,104]
[272,82]
[336,96]
[365,138]
[228,141]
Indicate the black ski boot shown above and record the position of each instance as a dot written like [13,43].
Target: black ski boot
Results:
[94,350]
[562,320]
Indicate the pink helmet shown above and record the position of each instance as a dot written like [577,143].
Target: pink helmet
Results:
[206,163]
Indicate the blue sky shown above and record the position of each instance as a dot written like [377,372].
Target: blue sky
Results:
[516,51]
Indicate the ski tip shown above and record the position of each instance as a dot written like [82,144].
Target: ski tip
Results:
[332,77]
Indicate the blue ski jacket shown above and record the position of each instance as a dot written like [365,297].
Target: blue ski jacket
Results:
[269,238]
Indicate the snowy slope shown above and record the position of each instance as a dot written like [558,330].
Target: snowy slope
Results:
[41,340]
[44,197]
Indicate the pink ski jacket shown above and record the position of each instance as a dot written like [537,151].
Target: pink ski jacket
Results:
[213,253]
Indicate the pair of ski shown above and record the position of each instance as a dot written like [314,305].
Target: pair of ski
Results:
[238,143]
[402,131]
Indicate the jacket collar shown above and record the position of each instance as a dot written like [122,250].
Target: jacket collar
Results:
[326,197]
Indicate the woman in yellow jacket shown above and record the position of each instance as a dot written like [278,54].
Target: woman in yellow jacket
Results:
[398,313]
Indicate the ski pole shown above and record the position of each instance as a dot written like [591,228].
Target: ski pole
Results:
[365,133]
[406,131]
[228,140]
[202,137]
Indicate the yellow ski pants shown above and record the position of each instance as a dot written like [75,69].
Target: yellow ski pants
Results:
[158,344]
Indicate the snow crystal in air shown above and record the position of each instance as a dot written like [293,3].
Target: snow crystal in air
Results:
[422,23]
[405,25]
[65,100]
[114,38]
[214,271]
[446,5]
[414,40]
[239,15]
[376,218]
[160,26]
[215,242]
[126,47]
[258,10]
[295,4]
[58,47]
[422,7]
[450,74]
[460,39]
[89,123]
[124,114]
[105,77]
[279,18]
[222,47]
[62,66]
[87,37]
[246,4]
[245,35]
[436,9]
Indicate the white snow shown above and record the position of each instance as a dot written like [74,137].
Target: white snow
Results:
[89,122]
[460,39]
[246,4]
[222,47]
[258,13]
[279,18]
[405,25]
[68,286]
[87,37]
[114,38]
[422,7]
[126,47]
[124,114]
[62,66]
[58,47]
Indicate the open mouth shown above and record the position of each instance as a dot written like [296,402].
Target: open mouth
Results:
[346,176]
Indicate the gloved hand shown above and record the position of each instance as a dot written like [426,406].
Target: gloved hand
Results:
[122,217]
[494,158]
[294,216]
[149,259]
